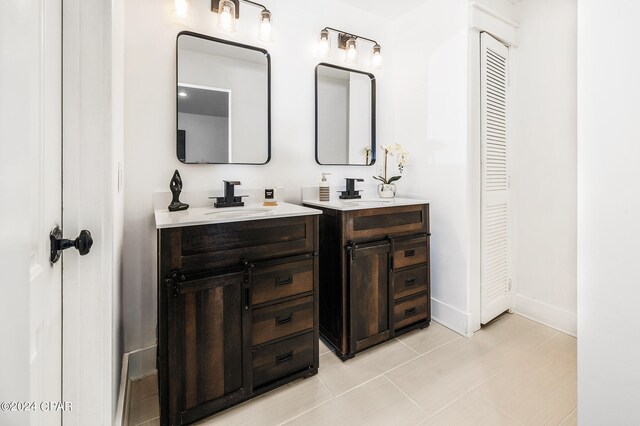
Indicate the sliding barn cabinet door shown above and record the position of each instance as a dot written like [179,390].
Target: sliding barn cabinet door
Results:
[369,294]
[495,281]
[209,342]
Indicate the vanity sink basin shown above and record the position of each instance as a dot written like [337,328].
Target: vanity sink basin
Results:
[367,203]
[236,212]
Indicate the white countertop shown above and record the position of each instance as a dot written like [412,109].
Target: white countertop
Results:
[211,215]
[365,203]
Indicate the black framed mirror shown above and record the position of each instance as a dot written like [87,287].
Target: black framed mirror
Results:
[223,97]
[345,116]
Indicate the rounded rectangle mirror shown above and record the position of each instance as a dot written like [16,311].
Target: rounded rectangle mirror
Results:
[223,94]
[345,116]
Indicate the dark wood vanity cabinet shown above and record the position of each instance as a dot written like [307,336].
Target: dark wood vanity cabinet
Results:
[374,275]
[237,312]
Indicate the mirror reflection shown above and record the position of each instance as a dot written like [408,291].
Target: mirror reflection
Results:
[345,116]
[223,98]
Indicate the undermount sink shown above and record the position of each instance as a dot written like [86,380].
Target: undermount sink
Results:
[366,203]
[237,212]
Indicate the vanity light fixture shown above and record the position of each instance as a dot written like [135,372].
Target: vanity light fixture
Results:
[324,46]
[181,8]
[351,52]
[229,11]
[348,42]
[376,59]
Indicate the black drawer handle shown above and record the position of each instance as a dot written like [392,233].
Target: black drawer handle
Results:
[410,282]
[283,281]
[409,253]
[409,312]
[284,358]
[284,320]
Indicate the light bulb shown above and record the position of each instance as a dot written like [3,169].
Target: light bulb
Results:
[351,56]
[264,33]
[227,16]
[183,94]
[181,8]
[324,46]
[376,60]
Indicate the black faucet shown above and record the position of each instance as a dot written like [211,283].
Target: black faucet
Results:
[351,193]
[229,199]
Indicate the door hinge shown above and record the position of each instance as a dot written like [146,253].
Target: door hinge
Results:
[351,249]
[173,281]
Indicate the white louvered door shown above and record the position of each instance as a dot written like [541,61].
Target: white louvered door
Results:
[495,271]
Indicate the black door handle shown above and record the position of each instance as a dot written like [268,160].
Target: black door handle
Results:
[83,243]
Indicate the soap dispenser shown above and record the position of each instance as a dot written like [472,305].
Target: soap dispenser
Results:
[324,191]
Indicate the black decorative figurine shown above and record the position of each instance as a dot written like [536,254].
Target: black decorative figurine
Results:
[176,188]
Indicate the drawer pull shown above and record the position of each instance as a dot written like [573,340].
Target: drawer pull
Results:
[283,281]
[409,312]
[410,282]
[409,253]
[284,320]
[284,358]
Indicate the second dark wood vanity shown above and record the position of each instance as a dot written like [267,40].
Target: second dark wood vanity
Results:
[374,274]
[237,312]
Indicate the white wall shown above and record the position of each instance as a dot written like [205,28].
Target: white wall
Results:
[544,175]
[430,99]
[608,212]
[150,131]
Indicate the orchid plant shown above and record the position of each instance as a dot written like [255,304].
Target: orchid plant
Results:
[402,159]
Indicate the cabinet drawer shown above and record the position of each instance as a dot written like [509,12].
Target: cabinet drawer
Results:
[278,281]
[409,281]
[409,251]
[411,310]
[272,362]
[223,245]
[283,319]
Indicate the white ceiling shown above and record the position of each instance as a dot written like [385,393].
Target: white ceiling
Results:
[381,7]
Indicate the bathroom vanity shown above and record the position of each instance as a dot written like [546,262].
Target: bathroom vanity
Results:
[374,271]
[237,305]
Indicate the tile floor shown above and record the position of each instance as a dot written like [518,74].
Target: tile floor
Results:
[512,372]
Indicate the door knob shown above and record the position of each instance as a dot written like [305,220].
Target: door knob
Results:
[83,243]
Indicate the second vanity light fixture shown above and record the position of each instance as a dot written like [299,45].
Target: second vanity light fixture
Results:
[348,42]
[229,11]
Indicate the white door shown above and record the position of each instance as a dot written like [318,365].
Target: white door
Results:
[495,279]
[31,34]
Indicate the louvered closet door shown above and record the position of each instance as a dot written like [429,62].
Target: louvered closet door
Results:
[495,281]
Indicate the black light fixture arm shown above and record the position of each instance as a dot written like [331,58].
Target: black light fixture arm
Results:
[347,34]
[216,3]
[255,4]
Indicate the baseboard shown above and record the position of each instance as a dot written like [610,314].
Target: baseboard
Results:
[545,314]
[449,316]
[121,417]
[142,362]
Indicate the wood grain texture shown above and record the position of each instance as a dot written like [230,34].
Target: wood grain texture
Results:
[205,334]
[283,319]
[409,252]
[350,298]
[369,293]
[284,280]
[410,281]
[272,362]
[411,310]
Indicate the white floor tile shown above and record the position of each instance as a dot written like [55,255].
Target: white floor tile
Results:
[377,402]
